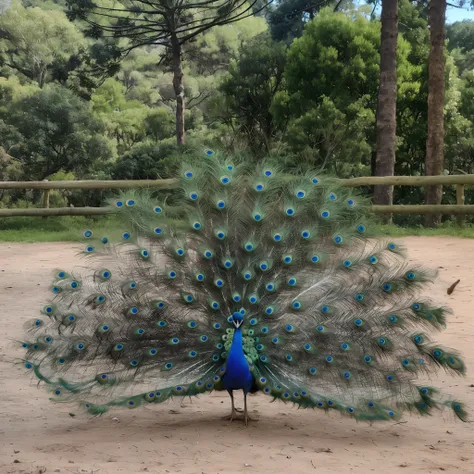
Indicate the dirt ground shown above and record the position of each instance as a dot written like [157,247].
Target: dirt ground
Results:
[37,436]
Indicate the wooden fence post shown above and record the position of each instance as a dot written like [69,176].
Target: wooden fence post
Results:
[46,199]
[460,201]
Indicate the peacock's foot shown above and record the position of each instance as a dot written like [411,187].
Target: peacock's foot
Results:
[239,415]
[232,415]
[247,419]
[228,417]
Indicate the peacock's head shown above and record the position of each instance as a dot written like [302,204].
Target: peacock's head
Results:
[237,320]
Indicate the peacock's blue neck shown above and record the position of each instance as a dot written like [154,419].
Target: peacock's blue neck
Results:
[237,349]
[237,375]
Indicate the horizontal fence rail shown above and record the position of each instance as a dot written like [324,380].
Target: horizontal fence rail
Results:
[172,183]
[459,209]
[91,184]
[444,209]
[57,211]
[406,180]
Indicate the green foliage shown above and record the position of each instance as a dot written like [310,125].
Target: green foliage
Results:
[447,228]
[337,57]
[288,17]
[109,97]
[70,229]
[460,36]
[214,50]
[143,161]
[138,73]
[12,90]
[58,131]
[60,197]
[250,88]
[459,107]
[130,121]
[9,136]
[159,124]
[52,229]
[33,41]
[10,169]
[332,80]
[153,160]
[175,26]
[413,26]
[329,138]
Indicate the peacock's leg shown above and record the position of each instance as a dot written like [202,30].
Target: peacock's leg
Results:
[233,412]
[245,410]
[246,415]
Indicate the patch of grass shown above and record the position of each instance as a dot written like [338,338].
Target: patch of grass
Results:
[69,229]
[446,229]
[54,229]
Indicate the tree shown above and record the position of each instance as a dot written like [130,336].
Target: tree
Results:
[154,161]
[124,119]
[335,63]
[138,75]
[459,120]
[288,18]
[460,37]
[412,103]
[10,169]
[58,132]
[386,127]
[332,140]
[143,161]
[250,88]
[213,51]
[159,124]
[169,24]
[337,57]
[34,42]
[434,161]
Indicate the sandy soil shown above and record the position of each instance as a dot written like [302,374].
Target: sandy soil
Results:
[37,436]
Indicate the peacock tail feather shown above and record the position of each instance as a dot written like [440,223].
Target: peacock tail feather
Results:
[333,317]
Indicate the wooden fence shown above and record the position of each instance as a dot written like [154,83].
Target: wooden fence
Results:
[459,209]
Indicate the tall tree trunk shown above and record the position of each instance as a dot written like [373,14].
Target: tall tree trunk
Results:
[435,142]
[178,86]
[387,103]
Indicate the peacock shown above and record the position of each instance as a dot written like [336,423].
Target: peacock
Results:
[245,277]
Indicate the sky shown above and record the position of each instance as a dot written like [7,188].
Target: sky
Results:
[452,14]
[458,14]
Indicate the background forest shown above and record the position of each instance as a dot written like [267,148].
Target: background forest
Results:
[295,79]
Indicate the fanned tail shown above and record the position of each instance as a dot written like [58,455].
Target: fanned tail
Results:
[333,317]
